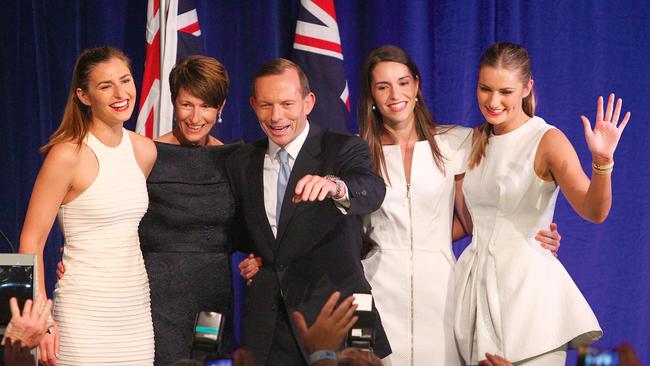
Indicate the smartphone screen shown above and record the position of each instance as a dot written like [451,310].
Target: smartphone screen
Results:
[592,356]
[219,362]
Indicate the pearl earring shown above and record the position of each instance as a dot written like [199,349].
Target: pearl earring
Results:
[219,120]
[374,108]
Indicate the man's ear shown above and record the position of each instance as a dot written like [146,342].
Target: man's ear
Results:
[310,101]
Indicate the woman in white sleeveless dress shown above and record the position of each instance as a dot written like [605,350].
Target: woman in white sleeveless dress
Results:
[512,298]
[411,268]
[94,177]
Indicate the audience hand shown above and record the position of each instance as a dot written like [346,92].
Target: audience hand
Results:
[330,327]
[17,355]
[494,360]
[242,358]
[29,327]
[355,357]
[249,267]
[25,331]
[549,239]
[627,355]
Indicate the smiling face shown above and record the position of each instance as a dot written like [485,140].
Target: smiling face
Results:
[280,106]
[194,118]
[394,90]
[110,93]
[500,94]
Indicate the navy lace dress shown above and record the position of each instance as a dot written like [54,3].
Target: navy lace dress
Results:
[185,242]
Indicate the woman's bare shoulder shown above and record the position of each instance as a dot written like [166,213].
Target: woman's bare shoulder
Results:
[64,154]
[144,148]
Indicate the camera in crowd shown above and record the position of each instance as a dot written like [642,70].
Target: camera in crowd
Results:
[206,343]
[362,334]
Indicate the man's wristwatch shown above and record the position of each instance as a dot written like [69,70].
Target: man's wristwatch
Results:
[339,185]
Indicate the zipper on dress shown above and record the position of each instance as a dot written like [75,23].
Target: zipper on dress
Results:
[408,197]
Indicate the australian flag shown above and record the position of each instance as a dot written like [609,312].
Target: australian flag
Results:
[317,49]
[182,39]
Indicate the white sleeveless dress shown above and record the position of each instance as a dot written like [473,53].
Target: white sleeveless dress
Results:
[513,297]
[102,302]
[411,270]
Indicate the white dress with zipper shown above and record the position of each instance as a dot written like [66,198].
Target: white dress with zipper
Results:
[411,270]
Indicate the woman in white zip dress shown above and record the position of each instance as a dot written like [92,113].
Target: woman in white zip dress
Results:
[411,268]
[512,298]
[94,177]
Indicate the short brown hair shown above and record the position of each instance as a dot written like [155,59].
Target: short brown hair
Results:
[202,76]
[278,66]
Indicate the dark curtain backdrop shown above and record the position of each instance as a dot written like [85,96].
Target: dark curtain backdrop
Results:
[580,49]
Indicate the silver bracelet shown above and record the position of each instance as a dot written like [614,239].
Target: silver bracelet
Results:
[338,182]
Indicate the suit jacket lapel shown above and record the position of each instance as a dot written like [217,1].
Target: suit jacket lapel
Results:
[255,173]
[307,162]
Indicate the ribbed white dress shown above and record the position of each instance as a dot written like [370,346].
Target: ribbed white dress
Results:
[102,302]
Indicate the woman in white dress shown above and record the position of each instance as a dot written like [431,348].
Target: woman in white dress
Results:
[93,179]
[512,298]
[411,267]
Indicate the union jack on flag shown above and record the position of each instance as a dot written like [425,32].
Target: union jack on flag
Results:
[317,49]
[182,38]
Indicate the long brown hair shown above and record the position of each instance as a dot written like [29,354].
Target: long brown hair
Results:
[77,116]
[371,125]
[512,57]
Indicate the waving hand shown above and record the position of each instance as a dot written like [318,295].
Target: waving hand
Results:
[603,139]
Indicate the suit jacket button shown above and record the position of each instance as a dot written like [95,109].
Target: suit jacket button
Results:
[363,193]
[281,267]
[273,307]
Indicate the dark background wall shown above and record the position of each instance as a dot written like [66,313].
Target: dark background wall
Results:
[580,49]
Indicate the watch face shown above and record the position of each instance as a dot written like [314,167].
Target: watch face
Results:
[338,182]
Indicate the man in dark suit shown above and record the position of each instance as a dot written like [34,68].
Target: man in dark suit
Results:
[300,193]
